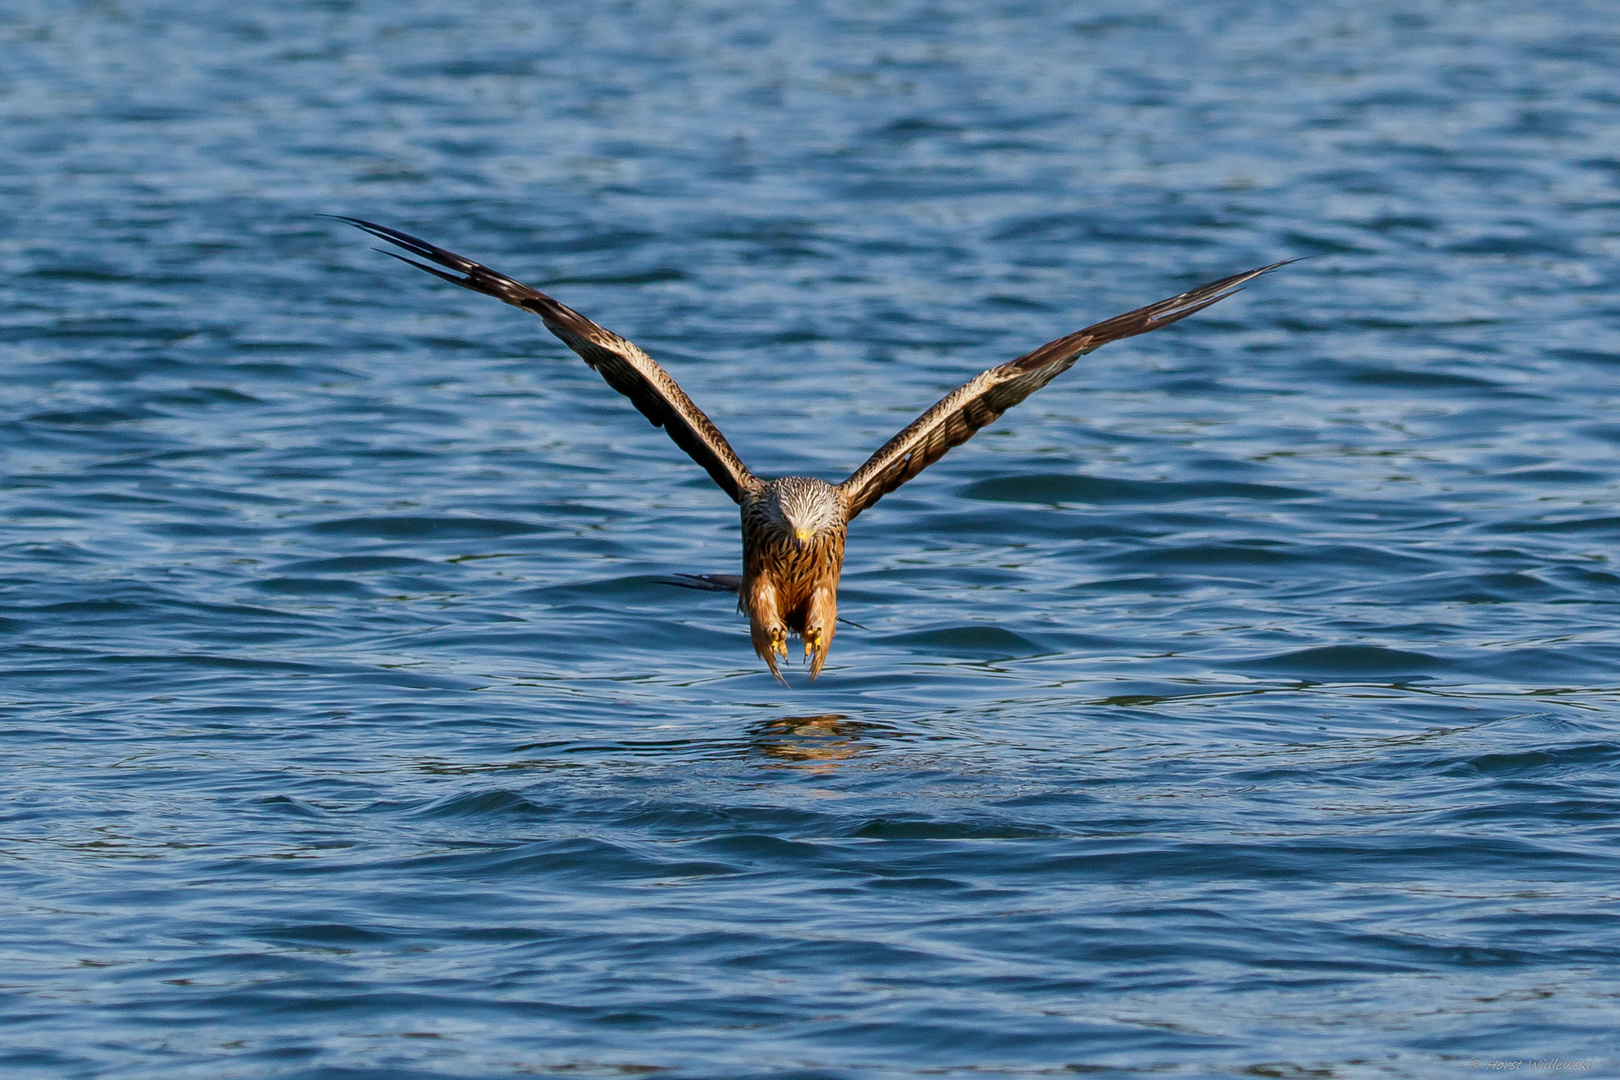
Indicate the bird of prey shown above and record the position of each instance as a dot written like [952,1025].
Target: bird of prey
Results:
[793,528]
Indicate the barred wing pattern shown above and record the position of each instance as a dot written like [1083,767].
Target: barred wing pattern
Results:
[625,367]
[962,412]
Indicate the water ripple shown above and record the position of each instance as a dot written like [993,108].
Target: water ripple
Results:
[1240,705]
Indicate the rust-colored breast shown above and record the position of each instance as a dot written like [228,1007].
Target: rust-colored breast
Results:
[789,589]
[792,573]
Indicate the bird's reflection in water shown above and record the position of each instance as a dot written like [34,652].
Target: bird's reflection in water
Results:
[815,741]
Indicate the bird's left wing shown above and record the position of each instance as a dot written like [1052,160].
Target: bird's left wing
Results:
[625,367]
[957,416]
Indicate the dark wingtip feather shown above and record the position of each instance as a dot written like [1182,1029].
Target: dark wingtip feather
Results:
[1153,316]
[415,245]
[436,273]
[468,274]
[1213,293]
[1154,322]
[727,583]
[1226,286]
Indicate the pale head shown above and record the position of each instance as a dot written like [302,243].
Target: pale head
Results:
[802,507]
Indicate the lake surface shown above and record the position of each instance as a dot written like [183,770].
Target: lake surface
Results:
[1243,704]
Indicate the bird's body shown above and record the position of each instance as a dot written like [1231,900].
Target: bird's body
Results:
[790,575]
[793,528]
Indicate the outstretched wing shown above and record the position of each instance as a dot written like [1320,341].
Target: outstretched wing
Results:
[626,368]
[955,418]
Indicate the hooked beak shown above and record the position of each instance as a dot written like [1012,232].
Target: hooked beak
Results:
[801,537]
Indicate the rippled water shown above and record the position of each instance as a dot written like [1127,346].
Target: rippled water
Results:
[1242,704]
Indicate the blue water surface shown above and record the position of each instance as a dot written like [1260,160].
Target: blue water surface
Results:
[1244,704]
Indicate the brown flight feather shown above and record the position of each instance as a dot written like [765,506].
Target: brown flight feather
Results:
[982,399]
[624,366]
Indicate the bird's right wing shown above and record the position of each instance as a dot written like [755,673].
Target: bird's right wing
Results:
[625,367]
[956,417]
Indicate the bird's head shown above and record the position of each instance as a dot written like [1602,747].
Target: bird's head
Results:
[802,508]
